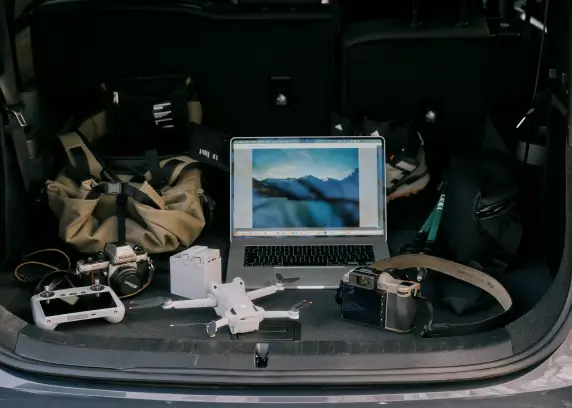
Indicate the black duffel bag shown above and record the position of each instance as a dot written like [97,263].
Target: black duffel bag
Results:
[481,225]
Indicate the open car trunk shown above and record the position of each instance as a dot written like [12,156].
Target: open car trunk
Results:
[155,344]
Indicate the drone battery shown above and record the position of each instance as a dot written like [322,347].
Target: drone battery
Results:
[193,269]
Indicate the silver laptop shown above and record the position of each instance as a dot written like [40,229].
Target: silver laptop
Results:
[308,208]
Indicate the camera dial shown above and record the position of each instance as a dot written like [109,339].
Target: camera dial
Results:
[138,249]
[99,256]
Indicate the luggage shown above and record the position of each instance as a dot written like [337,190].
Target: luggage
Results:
[151,113]
[155,202]
[481,218]
[480,225]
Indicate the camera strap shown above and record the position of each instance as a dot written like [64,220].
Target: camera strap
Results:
[465,274]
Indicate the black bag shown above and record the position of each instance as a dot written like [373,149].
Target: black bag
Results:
[151,113]
[210,146]
[481,225]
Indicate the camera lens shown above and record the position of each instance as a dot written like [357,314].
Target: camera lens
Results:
[126,281]
[364,280]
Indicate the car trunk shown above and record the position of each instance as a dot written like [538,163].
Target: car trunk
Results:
[156,344]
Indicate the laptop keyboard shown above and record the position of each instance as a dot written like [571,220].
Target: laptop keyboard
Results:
[308,255]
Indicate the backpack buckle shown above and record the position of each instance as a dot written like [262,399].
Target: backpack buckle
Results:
[115,188]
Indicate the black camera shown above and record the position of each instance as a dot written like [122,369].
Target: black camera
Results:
[126,269]
[378,298]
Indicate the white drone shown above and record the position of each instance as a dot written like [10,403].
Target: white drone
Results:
[233,304]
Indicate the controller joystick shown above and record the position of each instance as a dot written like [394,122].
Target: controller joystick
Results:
[47,293]
[96,287]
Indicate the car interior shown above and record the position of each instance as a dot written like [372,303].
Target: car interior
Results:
[475,74]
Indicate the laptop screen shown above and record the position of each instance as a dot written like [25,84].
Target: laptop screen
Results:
[304,187]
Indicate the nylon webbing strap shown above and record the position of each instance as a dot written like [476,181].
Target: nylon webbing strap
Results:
[122,191]
[118,189]
[194,105]
[14,105]
[80,157]
[157,178]
[463,273]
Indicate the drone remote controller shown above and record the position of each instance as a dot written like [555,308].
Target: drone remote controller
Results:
[51,308]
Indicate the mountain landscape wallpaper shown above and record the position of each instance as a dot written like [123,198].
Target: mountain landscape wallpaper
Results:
[305,188]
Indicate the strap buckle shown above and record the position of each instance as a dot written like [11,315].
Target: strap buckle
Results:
[17,110]
[114,188]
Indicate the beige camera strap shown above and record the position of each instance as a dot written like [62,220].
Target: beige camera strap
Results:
[463,273]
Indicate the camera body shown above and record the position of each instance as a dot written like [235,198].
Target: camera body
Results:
[126,269]
[378,298]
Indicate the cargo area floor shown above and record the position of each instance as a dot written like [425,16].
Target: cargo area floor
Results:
[527,282]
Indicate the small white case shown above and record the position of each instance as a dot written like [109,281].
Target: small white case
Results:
[193,269]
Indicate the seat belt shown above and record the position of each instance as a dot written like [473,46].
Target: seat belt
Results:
[465,274]
[14,106]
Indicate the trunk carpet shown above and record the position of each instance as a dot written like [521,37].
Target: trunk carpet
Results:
[526,282]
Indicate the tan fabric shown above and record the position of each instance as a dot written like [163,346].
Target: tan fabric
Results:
[72,140]
[88,225]
[195,112]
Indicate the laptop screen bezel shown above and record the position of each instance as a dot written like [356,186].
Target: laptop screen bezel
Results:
[384,196]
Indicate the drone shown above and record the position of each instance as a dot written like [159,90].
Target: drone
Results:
[233,304]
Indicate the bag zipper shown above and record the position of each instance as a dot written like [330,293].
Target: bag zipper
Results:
[494,209]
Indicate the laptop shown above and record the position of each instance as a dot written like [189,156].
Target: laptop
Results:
[310,208]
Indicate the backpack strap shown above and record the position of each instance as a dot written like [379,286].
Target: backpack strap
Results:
[122,188]
[194,104]
[122,191]
[173,167]
[157,179]
[82,163]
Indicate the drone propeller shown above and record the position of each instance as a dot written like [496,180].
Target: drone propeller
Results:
[189,324]
[300,305]
[281,279]
[210,326]
[148,303]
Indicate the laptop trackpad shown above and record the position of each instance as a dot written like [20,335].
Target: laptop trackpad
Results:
[310,278]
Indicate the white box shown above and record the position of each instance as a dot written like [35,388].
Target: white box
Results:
[193,269]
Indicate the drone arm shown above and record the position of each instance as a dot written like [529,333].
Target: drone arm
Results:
[285,314]
[213,327]
[190,304]
[259,293]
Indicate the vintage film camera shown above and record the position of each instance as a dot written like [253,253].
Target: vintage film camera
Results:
[126,269]
[378,298]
